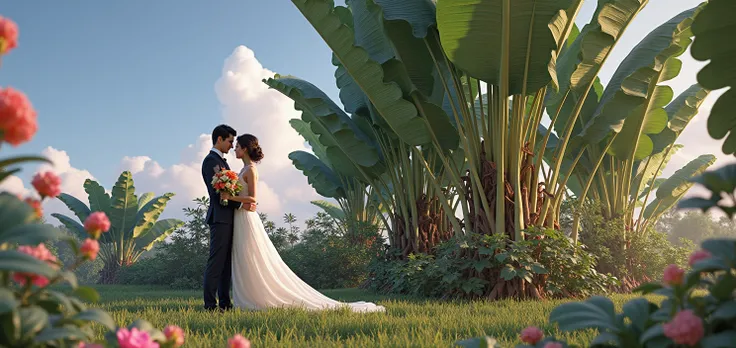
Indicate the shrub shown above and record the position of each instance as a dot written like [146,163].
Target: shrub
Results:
[684,317]
[323,247]
[473,266]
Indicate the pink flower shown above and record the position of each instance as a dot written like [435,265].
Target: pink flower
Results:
[553,345]
[175,334]
[39,252]
[673,275]
[238,341]
[531,335]
[89,345]
[8,35]
[47,184]
[685,328]
[135,338]
[698,255]
[17,117]
[96,223]
[89,249]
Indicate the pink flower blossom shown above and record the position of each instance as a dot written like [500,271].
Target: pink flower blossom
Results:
[174,334]
[238,341]
[47,184]
[40,252]
[531,335]
[673,275]
[96,223]
[553,345]
[89,345]
[18,121]
[135,338]
[685,328]
[698,255]
[8,35]
[89,249]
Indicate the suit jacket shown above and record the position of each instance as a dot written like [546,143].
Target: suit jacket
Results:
[217,213]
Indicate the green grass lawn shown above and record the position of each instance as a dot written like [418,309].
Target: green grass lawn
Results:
[407,322]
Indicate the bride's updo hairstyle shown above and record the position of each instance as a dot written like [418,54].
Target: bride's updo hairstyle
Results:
[249,143]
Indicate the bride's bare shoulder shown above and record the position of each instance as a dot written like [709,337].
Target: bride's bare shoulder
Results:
[250,172]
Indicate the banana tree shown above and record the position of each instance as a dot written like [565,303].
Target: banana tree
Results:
[359,155]
[135,225]
[355,199]
[625,136]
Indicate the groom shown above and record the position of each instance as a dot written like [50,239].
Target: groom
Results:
[217,275]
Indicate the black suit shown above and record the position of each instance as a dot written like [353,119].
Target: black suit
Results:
[217,275]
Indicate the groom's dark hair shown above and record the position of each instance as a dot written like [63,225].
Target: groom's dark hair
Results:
[222,131]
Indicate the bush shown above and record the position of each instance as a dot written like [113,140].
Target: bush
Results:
[179,263]
[684,318]
[631,258]
[473,266]
[323,247]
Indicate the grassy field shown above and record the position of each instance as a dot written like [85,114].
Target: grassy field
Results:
[407,322]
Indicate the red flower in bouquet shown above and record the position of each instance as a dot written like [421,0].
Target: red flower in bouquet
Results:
[226,181]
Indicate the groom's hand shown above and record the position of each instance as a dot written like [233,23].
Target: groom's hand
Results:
[249,206]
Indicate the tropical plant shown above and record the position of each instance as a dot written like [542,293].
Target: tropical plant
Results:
[356,201]
[136,227]
[684,318]
[712,24]
[721,183]
[459,125]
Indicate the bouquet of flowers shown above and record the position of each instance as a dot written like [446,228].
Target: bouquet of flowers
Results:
[226,181]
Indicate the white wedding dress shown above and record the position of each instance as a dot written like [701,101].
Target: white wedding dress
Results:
[261,279]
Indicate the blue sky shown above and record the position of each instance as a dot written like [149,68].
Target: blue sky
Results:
[136,77]
[111,79]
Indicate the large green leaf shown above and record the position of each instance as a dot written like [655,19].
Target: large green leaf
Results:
[679,113]
[80,209]
[649,172]
[719,181]
[144,199]
[407,62]
[148,214]
[640,124]
[332,209]
[13,212]
[581,61]
[16,261]
[346,144]
[675,187]
[471,32]
[123,205]
[32,320]
[318,174]
[629,92]
[305,131]
[420,14]
[160,230]
[30,234]
[72,225]
[99,200]
[714,29]
[368,74]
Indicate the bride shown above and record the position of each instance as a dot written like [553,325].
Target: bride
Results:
[260,278]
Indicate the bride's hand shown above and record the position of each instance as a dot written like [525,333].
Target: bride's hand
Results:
[225,195]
